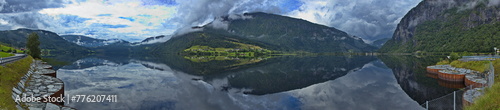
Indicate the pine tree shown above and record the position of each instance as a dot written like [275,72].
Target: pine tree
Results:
[33,45]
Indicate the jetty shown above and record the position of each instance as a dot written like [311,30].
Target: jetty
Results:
[473,81]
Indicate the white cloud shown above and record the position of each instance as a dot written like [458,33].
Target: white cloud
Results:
[137,20]
[493,2]
[3,22]
[200,12]
[369,19]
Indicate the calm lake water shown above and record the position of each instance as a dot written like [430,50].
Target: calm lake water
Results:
[195,83]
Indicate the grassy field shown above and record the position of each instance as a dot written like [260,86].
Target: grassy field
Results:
[480,66]
[9,77]
[242,50]
[7,48]
[4,51]
[491,99]
[3,54]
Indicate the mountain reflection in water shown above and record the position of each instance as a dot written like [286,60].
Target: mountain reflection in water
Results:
[322,82]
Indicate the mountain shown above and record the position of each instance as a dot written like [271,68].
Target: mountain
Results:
[153,40]
[118,48]
[88,41]
[49,41]
[113,46]
[379,43]
[294,34]
[273,32]
[206,38]
[448,26]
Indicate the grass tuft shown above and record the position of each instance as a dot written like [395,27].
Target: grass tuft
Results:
[491,98]
[3,54]
[9,77]
[480,66]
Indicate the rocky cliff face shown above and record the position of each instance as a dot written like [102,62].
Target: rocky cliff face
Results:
[485,12]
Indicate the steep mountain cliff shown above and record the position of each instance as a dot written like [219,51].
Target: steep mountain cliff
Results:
[446,26]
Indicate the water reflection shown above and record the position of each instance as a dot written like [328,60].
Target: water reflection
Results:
[288,73]
[372,87]
[421,86]
[328,82]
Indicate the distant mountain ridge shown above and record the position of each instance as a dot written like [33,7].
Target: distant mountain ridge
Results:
[153,40]
[269,31]
[380,42]
[49,41]
[90,42]
[94,42]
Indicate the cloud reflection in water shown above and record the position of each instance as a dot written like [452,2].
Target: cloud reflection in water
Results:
[140,87]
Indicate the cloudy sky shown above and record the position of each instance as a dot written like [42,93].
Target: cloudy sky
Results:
[135,20]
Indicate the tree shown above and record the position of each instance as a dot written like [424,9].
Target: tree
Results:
[33,45]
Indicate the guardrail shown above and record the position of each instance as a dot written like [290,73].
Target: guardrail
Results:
[12,58]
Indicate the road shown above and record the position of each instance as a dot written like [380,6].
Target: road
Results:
[16,57]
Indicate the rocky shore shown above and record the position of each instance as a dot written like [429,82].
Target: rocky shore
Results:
[39,89]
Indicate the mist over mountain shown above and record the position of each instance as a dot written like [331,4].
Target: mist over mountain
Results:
[274,31]
[90,42]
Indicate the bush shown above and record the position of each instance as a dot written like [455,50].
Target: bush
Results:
[443,62]
[454,56]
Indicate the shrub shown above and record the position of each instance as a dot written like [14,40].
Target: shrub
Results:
[454,56]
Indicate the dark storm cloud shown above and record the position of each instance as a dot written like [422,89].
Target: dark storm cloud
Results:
[25,20]
[13,6]
[197,12]
[369,19]
[23,13]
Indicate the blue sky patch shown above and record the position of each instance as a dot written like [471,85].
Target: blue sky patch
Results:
[68,20]
[159,2]
[127,18]
[144,15]
[104,15]
[292,103]
[127,86]
[109,25]
[291,5]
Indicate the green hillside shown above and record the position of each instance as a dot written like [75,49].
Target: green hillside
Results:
[211,42]
[3,54]
[270,33]
[49,41]
[5,51]
[292,34]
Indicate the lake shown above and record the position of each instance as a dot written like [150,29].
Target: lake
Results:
[271,82]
